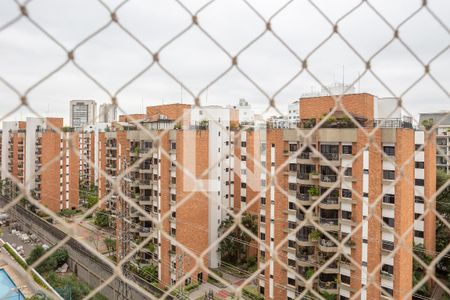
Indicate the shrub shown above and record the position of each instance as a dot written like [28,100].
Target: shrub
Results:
[191,286]
[313,191]
[251,293]
[19,260]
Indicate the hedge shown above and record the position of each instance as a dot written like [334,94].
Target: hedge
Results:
[250,293]
[19,259]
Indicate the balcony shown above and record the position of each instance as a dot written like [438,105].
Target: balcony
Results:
[328,180]
[304,155]
[304,240]
[329,159]
[328,286]
[330,202]
[305,260]
[303,199]
[330,223]
[326,245]
[145,231]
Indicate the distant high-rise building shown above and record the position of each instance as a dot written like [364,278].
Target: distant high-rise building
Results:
[82,113]
[107,113]
[293,114]
[442,122]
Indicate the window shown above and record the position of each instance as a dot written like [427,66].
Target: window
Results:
[389,198]
[263,201]
[346,215]
[389,150]
[388,221]
[292,225]
[173,145]
[292,167]
[291,205]
[388,269]
[291,262]
[243,185]
[262,254]
[346,193]
[346,149]
[417,216]
[243,158]
[262,235]
[389,174]
[348,172]
[291,281]
[243,199]
[263,218]
[345,279]
[261,290]
[386,245]
[418,199]
[291,244]
[420,165]
[292,147]
[418,233]
[419,182]
[292,186]
[243,144]
[388,291]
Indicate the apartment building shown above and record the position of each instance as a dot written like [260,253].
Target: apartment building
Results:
[45,161]
[339,180]
[52,163]
[13,157]
[442,121]
[190,200]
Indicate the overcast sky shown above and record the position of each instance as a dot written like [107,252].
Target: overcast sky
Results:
[113,58]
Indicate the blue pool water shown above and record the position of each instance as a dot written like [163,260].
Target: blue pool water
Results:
[8,289]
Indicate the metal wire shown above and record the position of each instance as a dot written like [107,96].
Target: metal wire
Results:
[25,14]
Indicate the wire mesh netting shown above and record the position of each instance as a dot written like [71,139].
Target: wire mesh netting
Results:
[156,223]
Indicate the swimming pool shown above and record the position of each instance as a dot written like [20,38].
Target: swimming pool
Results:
[8,289]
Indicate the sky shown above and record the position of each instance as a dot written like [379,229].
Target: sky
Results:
[200,57]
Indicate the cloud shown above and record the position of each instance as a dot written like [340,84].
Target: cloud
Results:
[196,59]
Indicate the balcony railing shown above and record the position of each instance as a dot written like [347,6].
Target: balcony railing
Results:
[327,243]
[304,197]
[328,178]
[330,200]
[303,176]
[304,155]
[331,285]
[329,221]
[331,156]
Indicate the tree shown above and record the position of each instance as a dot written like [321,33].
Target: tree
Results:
[91,200]
[233,249]
[51,263]
[149,273]
[419,271]
[37,252]
[110,244]
[101,219]
[442,231]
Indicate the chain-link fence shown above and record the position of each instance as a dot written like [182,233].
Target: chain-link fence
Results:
[196,201]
